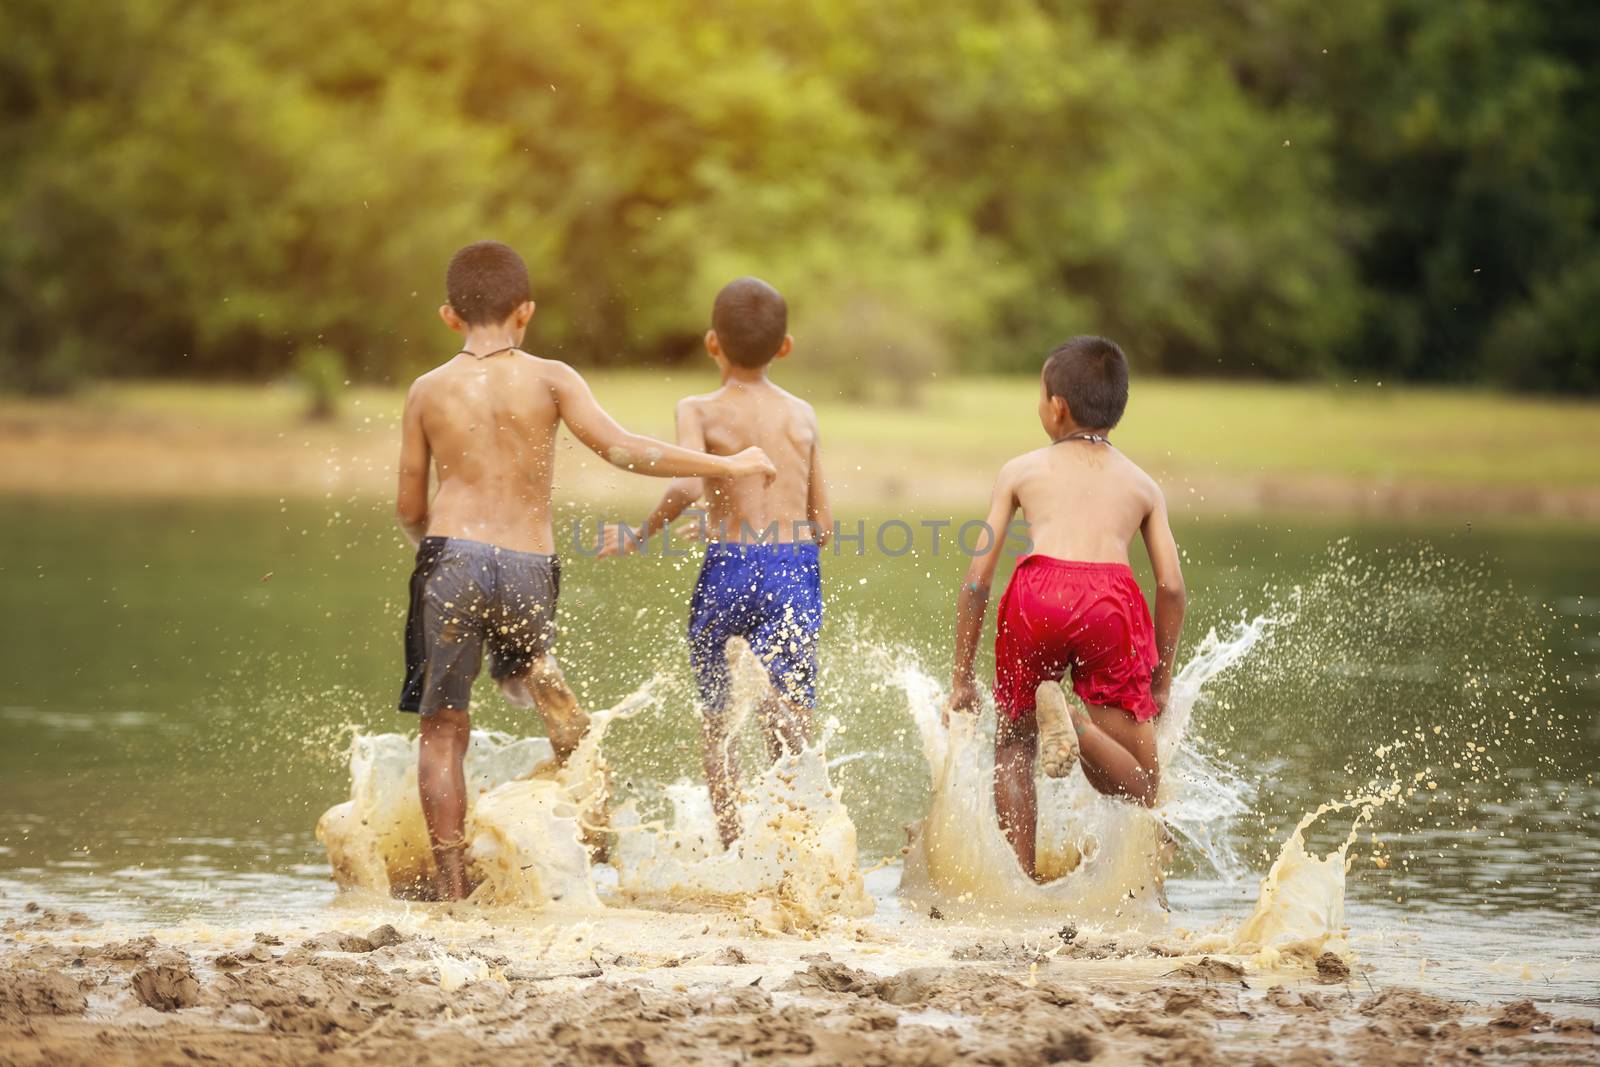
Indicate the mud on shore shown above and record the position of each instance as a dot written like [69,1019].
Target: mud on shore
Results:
[343,997]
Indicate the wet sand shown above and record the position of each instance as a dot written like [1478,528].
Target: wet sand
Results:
[438,986]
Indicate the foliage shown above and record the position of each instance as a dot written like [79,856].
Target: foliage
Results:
[1266,187]
[865,340]
[1552,342]
[321,372]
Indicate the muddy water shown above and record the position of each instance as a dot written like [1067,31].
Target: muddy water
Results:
[181,699]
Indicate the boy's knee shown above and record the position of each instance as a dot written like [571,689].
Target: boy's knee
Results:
[516,692]
[543,687]
[1015,733]
[444,723]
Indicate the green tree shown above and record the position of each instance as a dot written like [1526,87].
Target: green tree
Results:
[1461,142]
[1281,188]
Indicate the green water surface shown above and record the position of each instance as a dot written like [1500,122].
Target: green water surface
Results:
[180,679]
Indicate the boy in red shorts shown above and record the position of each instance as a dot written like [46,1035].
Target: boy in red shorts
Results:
[1073,605]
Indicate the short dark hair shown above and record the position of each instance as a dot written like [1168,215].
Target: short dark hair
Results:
[751,319]
[1091,375]
[486,281]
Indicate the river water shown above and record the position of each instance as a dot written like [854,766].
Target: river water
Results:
[184,681]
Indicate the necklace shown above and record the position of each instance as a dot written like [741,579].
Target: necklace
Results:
[1084,435]
[486,355]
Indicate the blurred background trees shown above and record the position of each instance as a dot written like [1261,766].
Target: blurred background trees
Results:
[1401,189]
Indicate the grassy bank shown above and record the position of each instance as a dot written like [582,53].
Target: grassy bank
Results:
[1224,445]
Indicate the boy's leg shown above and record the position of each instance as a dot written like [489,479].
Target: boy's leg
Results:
[543,687]
[722,773]
[441,780]
[719,610]
[1118,752]
[520,660]
[730,694]
[787,726]
[1016,801]
[452,639]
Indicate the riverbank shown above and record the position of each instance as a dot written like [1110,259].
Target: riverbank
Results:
[1216,447]
[456,988]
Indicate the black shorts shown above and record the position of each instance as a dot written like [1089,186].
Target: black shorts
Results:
[465,594]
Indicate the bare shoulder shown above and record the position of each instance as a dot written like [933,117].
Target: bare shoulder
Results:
[553,368]
[1026,463]
[696,403]
[554,373]
[423,384]
[698,410]
[796,412]
[1018,469]
[1143,484]
[428,377]
[798,406]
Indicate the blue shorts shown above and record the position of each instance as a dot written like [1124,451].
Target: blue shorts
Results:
[768,594]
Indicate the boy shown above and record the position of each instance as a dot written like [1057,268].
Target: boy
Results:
[1073,604]
[760,586]
[485,573]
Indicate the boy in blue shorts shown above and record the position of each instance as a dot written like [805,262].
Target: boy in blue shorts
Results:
[760,588]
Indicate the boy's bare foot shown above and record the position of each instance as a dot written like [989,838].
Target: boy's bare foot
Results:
[451,880]
[1058,737]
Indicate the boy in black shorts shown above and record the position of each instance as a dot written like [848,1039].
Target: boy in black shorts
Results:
[486,573]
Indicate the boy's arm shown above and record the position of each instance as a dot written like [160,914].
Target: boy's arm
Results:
[818,511]
[973,602]
[600,433]
[1170,595]
[411,501]
[679,495]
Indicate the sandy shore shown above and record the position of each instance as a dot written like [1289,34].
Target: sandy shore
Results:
[91,449]
[652,988]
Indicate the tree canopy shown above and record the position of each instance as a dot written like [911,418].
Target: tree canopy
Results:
[1394,188]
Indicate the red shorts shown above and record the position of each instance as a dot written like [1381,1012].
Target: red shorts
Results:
[1090,618]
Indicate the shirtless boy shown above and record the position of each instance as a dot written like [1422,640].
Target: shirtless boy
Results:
[761,580]
[1073,604]
[485,572]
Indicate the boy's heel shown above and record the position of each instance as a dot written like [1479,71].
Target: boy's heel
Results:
[1058,737]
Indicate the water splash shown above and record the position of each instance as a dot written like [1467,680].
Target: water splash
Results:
[1107,858]
[794,865]
[377,840]
[526,815]
[1300,911]
[1324,663]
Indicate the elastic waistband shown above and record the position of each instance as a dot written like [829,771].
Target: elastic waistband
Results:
[435,545]
[1036,559]
[764,549]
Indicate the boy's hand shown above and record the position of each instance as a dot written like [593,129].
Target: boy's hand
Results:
[752,461]
[1161,691]
[963,697]
[613,543]
[690,531]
